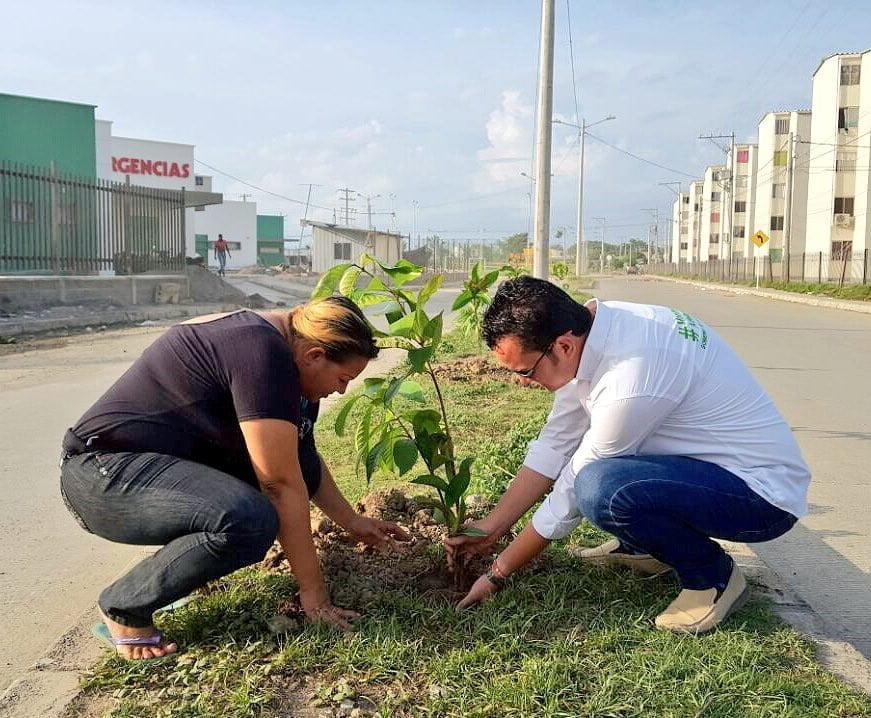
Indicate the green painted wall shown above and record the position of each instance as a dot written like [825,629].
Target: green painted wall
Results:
[201,246]
[269,227]
[270,252]
[37,132]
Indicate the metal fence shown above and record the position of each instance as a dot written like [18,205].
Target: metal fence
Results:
[810,267]
[60,224]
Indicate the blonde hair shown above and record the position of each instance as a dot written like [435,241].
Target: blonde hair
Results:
[336,325]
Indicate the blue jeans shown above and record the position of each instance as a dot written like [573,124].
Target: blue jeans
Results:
[222,262]
[672,506]
[209,524]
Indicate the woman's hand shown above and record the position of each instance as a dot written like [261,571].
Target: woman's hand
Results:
[459,548]
[373,531]
[319,609]
[481,590]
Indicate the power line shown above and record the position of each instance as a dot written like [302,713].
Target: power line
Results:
[259,189]
[641,159]
[572,56]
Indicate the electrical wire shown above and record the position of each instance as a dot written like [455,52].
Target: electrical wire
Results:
[641,159]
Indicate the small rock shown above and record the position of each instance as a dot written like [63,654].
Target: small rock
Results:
[346,707]
[43,663]
[89,329]
[281,624]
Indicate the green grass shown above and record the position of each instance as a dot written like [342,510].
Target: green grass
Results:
[566,641]
[858,292]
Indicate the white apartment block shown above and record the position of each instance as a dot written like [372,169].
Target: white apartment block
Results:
[680,221]
[782,183]
[839,161]
[694,221]
[743,197]
[713,206]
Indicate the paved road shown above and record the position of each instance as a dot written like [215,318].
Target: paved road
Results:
[813,361]
[51,571]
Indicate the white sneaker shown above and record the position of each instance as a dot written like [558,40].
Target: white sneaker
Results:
[608,554]
[700,611]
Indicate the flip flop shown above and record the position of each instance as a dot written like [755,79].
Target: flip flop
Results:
[101,632]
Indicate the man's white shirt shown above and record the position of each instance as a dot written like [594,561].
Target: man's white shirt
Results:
[657,381]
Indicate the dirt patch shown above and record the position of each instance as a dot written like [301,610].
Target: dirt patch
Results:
[478,369]
[358,574]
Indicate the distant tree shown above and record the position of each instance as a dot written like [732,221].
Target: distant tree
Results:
[515,244]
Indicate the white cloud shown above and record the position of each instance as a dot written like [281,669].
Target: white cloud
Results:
[509,128]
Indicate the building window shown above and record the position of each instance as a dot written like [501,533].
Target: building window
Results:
[715,196]
[780,158]
[21,212]
[743,156]
[342,250]
[198,180]
[715,239]
[740,206]
[713,257]
[741,182]
[683,245]
[66,214]
[778,191]
[686,199]
[844,205]
[781,126]
[850,74]
[845,162]
[738,231]
[683,230]
[715,217]
[848,117]
[777,223]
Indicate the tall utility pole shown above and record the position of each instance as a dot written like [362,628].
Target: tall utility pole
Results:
[347,192]
[655,212]
[787,222]
[602,253]
[302,226]
[368,199]
[540,264]
[414,204]
[581,250]
[668,234]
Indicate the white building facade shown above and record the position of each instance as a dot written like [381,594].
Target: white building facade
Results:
[712,208]
[839,161]
[334,244]
[743,198]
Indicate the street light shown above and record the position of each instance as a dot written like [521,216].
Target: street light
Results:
[580,252]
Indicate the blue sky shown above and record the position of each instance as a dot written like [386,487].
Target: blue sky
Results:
[431,102]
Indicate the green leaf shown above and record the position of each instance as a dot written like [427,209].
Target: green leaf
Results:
[375,284]
[439,515]
[431,480]
[419,357]
[433,329]
[361,436]
[411,390]
[490,277]
[420,321]
[371,299]
[391,390]
[373,456]
[342,416]
[348,283]
[403,271]
[471,531]
[373,385]
[430,288]
[463,298]
[404,455]
[403,327]
[329,281]
[476,272]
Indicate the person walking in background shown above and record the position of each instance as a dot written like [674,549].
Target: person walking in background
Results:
[222,254]
[205,446]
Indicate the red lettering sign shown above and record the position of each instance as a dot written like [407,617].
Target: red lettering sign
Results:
[159,168]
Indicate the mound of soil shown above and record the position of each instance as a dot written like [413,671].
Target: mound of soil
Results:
[478,369]
[358,574]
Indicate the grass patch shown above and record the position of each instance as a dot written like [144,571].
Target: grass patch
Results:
[856,292]
[569,641]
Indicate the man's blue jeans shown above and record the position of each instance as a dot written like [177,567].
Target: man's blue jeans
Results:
[672,506]
[208,522]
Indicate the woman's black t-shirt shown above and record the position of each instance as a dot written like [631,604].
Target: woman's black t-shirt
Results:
[187,393]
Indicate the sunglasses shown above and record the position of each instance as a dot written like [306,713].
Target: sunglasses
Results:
[527,373]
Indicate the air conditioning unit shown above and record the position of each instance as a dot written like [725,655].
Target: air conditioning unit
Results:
[844,220]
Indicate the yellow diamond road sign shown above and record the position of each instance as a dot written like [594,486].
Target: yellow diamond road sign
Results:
[759,238]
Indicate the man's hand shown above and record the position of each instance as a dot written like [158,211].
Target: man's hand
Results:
[481,590]
[458,548]
[375,532]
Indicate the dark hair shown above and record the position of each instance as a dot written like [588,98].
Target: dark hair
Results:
[534,311]
[336,325]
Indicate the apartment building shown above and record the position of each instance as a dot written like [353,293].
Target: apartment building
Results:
[680,240]
[782,183]
[743,197]
[713,208]
[839,156]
